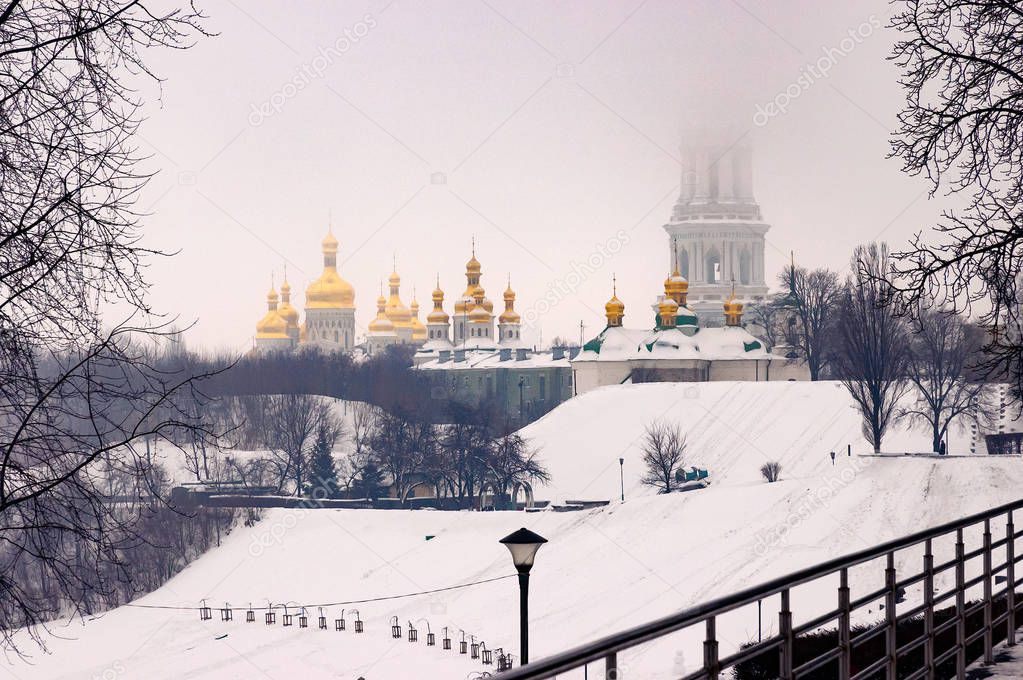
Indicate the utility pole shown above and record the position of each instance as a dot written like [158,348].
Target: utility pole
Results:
[581,329]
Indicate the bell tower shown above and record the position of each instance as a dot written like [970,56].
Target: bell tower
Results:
[716,232]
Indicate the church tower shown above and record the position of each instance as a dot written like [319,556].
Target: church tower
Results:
[716,232]
[330,304]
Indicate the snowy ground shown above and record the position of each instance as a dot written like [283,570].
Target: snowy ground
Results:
[603,570]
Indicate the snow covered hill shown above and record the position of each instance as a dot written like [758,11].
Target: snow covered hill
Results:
[604,569]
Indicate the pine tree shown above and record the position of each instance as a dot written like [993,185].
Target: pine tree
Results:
[324,474]
[371,481]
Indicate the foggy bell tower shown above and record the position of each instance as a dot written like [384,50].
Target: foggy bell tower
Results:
[716,234]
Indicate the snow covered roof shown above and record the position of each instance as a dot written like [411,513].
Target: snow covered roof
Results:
[492,359]
[708,344]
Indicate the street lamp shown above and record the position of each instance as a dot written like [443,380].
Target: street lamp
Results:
[523,545]
[621,465]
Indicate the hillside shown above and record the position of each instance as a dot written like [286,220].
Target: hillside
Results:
[641,559]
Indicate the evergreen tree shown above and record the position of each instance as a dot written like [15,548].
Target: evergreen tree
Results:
[324,475]
[370,483]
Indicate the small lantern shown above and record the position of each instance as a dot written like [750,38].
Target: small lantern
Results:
[413,634]
[501,659]
[431,639]
[488,656]
[339,624]
[226,613]
[205,613]
[287,617]
[395,628]
[507,662]
[358,622]
[446,642]
[271,617]
[462,646]
[303,619]
[250,615]
[322,620]
[474,648]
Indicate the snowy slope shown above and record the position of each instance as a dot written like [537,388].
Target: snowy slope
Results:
[603,569]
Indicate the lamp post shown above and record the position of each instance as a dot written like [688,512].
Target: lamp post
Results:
[522,385]
[523,545]
[621,466]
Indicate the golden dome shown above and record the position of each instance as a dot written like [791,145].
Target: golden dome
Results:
[479,315]
[396,310]
[330,291]
[733,311]
[614,309]
[381,324]
[418,329]
[272,325]
[509,315]
[437,315]
[287,312]
[473,266]
[666,310]
[676,287]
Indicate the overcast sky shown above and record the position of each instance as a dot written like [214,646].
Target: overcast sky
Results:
[549,130]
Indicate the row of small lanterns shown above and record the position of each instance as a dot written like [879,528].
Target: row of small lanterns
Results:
[475,650]
[270,618]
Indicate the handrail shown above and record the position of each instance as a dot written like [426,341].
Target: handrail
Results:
[610,645]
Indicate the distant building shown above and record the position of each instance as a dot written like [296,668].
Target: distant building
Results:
[716,229]
[677,349]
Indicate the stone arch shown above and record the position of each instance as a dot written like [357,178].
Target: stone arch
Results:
[712,266]
[527,493]
[488,496]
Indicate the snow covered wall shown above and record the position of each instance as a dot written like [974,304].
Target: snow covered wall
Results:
[603,570]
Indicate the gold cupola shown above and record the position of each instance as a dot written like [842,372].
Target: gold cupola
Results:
[396,310]
[677,288]
[272,325]
[473,270]
[287,312]
[666,311]
[330,291]
[418,329]
[733,310]
[438,315]
[381,324]
[615,308]
[509,315]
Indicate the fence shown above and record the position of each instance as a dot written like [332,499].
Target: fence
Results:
[839,657]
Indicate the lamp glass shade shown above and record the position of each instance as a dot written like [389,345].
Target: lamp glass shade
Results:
[523,545]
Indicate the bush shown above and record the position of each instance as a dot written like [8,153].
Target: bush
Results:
[771,471]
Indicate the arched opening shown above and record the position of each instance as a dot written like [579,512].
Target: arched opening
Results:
[527,493]
[683,262]
[712,266]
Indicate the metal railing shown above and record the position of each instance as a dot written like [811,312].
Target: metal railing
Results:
[606,650]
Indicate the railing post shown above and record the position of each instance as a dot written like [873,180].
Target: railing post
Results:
[960,606]
[710,651]
[611,666]
[844,624]
[891,644]
[1010,580]
[989,656]
[929,610]
[785,660]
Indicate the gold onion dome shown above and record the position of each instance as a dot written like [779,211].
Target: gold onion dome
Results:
[272,325]
[418,329]
[667,310]
[676,287]
[396,310]
[381,324]
[286,311]
[473,266]
[479,315]
[437,315]
[509,315]
[330,291]
[733,311]
[614,310]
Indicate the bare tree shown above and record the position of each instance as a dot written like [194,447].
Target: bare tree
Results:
[512,461]
[813,297]
[401,443]
[962,71]
[291,422]
[872,347]
[766,316]
[664,448]
[771,471]
[79,399]
[938,366]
